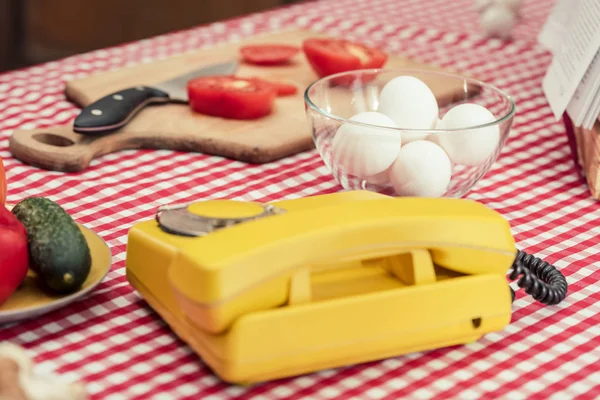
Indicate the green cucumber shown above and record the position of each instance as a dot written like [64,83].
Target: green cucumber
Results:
[58,251]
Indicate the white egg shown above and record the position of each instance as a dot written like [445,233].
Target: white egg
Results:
[497,21]
[409,102]
[422,169]
[382,178]
[434,137]
[469,146]
[408,137]
[365,151]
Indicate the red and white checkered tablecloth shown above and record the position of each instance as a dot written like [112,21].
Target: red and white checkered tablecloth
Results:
[115,344]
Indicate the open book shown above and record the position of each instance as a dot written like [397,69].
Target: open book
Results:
[572,82]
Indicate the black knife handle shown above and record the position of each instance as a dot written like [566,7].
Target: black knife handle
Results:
[115,110]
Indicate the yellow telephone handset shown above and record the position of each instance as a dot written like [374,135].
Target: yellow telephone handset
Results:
[461,235]
[321,262]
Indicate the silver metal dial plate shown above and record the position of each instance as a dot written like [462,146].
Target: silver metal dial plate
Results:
[179,220]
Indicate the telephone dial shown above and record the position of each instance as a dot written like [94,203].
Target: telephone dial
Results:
[266,291]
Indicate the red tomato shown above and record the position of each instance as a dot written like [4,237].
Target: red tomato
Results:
[268,54]
[281,88]
[227,96]
[331,56]
[14,253]
[2,183]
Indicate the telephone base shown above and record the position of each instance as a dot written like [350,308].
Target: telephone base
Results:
[218,352]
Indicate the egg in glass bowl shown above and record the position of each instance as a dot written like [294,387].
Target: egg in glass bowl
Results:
[408,132]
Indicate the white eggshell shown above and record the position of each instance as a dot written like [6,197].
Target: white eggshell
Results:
[470,146]
[412,136]
[364,151]
[409,102]
[497,21]
[408,137]
[422,169]
[382,178]
[433,138]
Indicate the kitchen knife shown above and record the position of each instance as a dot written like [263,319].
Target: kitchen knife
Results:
[116,109]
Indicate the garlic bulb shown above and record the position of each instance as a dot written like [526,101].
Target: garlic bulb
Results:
[497,21]
[40,386]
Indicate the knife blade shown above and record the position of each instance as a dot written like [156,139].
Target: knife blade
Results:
[115,110]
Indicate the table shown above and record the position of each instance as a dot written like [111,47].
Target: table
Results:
[122,350]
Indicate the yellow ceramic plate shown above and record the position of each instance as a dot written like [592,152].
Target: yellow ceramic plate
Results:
[29,301]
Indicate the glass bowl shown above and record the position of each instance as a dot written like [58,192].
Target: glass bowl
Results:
[356,157]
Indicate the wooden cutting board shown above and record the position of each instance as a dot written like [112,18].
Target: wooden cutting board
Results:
[175,126]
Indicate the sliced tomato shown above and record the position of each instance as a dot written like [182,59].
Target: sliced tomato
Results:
[231,97]
[284,89]
[331,56]
[281,88]
[268,54]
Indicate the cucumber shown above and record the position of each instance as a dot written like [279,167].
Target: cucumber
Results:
[58,251]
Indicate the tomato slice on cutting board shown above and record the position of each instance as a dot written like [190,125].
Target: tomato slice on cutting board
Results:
[231,97]
[281,88]
[331,56]
[268,54]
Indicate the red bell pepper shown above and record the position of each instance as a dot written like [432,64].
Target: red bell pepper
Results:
[2,183]
[14,253]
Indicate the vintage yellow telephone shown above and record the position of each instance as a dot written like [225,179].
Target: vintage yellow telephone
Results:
[264,291]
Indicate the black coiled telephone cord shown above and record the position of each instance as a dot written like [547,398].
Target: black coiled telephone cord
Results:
[540,279]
